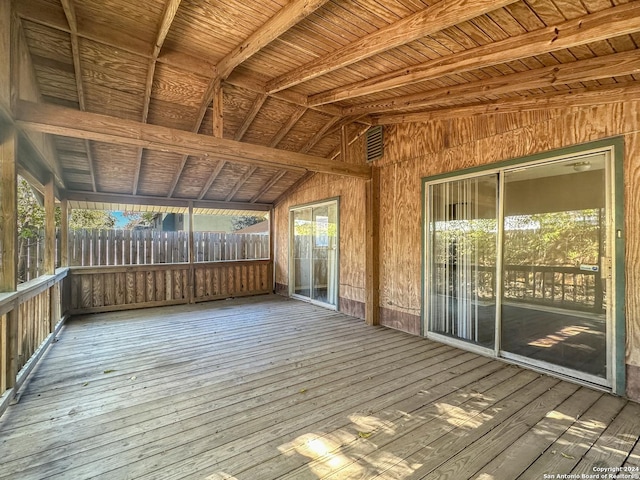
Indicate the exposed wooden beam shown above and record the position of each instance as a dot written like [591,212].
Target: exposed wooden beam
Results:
[240,183]
[251,115]
[344,143]
[584,97]
[617,64]
[120,199]
[291,97]
[218,110]
[440,16]
[7,56]
[72,123]
[616,21]
[291,14]
[286,128]
[267,186]
[212,178]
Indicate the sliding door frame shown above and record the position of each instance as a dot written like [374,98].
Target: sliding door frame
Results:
[291,272]
[617,322]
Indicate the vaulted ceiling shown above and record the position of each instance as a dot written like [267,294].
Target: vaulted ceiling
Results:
[235,102]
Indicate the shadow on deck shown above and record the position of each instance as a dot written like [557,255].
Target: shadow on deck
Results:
[271,388]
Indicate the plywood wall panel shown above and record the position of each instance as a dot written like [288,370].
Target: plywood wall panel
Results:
[632,239]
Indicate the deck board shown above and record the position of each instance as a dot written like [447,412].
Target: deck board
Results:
[270,388]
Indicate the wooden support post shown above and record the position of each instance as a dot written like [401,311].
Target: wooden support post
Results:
[49,227]
[192,272]
[218,110]
[272,249]
[64,233]
[8,208]
[9,248]
[372,267]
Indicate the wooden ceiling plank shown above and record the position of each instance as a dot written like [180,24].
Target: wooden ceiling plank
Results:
[616,21]
[563,99]
[291,14]
[626,63]
[296,185]
[251,115]
[440,16]
[319,134]
[216,171]
[288,16]
[240,183]
[67,122]
[275,179]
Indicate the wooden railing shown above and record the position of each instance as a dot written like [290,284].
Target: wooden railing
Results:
[553,286]
[103,289]
[29,320]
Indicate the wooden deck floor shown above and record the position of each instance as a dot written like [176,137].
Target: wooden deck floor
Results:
[270,388]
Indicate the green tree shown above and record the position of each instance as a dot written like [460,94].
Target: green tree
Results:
[138,219]
[244,221]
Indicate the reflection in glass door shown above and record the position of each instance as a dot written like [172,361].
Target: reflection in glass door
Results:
[314,253]
[462,240]
[554,296]
[519,264]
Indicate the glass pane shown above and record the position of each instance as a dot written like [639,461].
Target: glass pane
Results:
[324,254]
[554,297]
[302,235]
[462,238]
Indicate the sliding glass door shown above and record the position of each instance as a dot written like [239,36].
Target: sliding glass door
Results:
[314,253]
[518,264]
[554,293]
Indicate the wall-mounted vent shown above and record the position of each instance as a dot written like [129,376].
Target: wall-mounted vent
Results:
[375,143]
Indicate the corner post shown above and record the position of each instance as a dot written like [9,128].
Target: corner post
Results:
[372,266]
[192,256]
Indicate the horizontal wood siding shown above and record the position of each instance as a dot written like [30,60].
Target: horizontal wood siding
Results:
[103,289]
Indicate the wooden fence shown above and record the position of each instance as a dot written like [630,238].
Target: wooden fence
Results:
[93,247]
[103,289]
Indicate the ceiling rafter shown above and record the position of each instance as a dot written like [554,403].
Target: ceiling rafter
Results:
[250,117]
[617,64]
[111,37]
[440,16]
[583,97]
[165,24]
[244,179]
[616,21]
[72,20]
[267,186]
[212,178]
